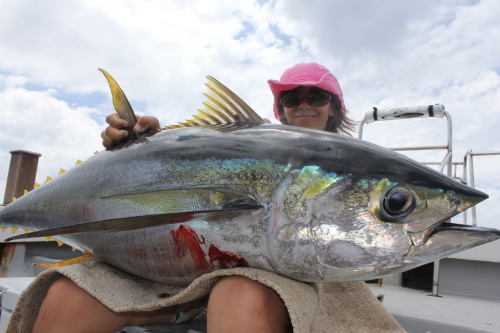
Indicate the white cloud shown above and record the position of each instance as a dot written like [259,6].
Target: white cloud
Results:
[37,121]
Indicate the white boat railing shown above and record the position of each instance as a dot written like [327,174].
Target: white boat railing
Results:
[426,111]
[447,163]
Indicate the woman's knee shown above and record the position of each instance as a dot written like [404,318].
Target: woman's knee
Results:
[65,293]
[254,306]
[60,290]
[247,294]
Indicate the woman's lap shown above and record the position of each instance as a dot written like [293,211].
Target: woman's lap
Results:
[235,302]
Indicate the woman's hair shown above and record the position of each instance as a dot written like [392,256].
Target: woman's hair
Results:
[339,123]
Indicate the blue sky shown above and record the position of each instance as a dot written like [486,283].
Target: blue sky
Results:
[385,53]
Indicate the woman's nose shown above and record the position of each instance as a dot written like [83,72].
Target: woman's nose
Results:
[303,103]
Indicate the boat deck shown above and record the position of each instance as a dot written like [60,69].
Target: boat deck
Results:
[419,313]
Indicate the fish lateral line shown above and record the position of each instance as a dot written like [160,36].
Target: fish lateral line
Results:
[195,189]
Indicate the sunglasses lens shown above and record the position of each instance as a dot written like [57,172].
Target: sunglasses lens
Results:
[317,97]
[291,99]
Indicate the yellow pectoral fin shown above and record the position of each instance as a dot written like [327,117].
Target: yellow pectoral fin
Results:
[78,260]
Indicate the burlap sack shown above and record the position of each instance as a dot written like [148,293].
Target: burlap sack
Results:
[316,308]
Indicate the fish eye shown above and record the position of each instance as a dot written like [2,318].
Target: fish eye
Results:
[398,201]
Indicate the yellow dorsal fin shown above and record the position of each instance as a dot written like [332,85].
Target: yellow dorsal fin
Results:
[62,171]
[78,162]
[222,107]
[84,258]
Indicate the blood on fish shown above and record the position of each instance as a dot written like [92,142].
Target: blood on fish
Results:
[188,237]
[225,259]
[185,236]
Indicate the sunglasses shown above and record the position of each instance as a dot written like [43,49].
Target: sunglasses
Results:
[314,97]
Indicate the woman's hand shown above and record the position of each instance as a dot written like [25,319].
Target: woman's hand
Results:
[115,133]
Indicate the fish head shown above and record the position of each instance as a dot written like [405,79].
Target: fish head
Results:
[327,226]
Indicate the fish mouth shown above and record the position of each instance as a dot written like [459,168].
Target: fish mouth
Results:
[421,237]
[454,204]
[469,229]
[450,238]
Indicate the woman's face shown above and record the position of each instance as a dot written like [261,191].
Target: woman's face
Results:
[305,115]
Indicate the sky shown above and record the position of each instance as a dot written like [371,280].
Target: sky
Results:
[385,54]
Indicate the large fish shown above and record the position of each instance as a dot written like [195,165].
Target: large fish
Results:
[226,190]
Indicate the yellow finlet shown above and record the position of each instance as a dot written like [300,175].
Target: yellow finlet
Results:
[48,179]
[3,228]
[14,198]
[78,162]
[26,191]
[59,243]
[73,249]
[84,258]
[96,152]
[62,171]
[14,229]
[26,231]
[48,238]
[37,185]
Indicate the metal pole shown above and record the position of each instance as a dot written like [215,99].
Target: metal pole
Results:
[464,180]
[485,153]
[418,148]
[450,149]
[435,282]
[360,129]
[472,183]
[448,159]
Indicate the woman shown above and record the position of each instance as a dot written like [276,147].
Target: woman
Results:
[307,95]
[296,80]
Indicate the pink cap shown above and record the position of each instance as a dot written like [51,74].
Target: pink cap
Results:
[310,74]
